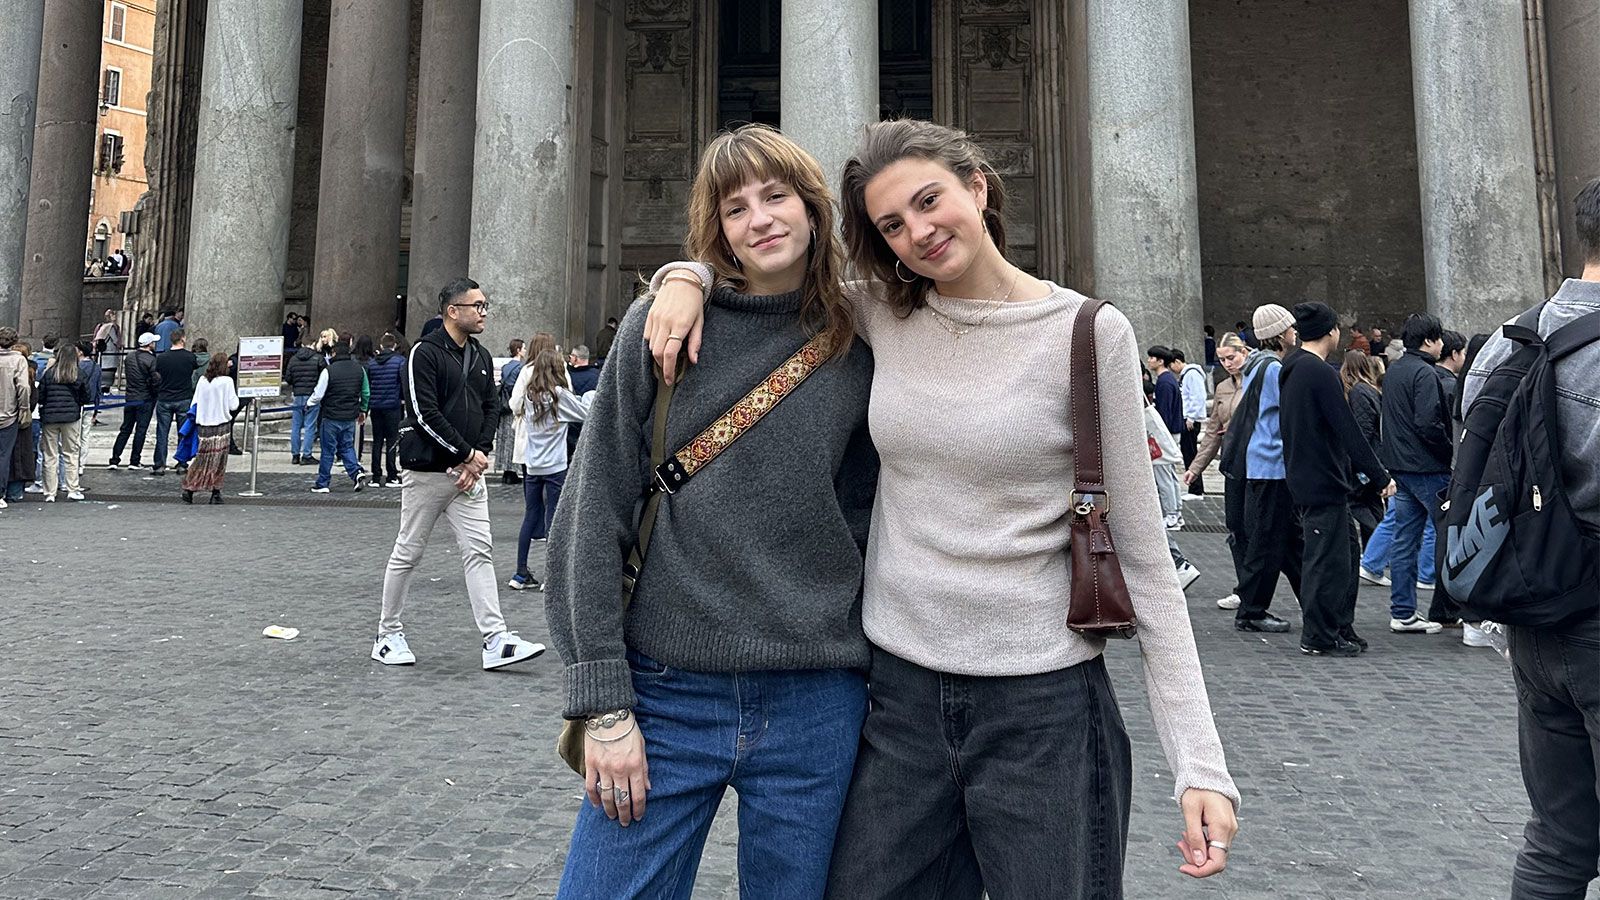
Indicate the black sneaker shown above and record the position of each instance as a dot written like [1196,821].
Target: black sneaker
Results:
[158,470]
[1268,624]
[1350,635]
[361,480]
[1340,647]
[294,460]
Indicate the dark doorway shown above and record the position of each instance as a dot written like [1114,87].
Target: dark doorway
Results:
[905,59]
[747,70]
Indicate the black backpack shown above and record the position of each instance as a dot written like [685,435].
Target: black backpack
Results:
[1510,549]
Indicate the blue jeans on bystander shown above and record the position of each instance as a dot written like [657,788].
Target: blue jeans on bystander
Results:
[338,439]
[540,493]
[302,426]
[1414,503]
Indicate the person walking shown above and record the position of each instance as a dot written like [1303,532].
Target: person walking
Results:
[1558,693]
[740,661]
[1254,455]
[175,393]
[302,374]
[383,377]
[215,401]
[1417,449]
[342,397]
[1165,459]
[63,393]
[1193,397]
[505,440]
[451,408]
[1364,395]
[1231,356]
[16,399]
[1322,448]
[546,406]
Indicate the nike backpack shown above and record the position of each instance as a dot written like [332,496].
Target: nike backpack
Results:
[1510,549]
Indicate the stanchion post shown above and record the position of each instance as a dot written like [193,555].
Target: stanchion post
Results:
[255,448]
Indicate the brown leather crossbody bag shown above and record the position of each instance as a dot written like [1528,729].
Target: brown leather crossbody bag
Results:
[1099,605]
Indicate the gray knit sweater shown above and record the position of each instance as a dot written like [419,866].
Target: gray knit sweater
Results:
[757,562]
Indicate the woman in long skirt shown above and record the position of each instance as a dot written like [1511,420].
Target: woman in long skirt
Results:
[215,399]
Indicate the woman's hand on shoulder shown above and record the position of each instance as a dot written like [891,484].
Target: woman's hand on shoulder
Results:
[1209,827]
[674,325]
[616,773]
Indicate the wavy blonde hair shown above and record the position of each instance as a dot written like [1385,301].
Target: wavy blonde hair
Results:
[762,153]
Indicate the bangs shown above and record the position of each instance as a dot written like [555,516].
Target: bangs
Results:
[756,155]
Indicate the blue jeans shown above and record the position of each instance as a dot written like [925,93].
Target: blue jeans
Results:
[1376,556]
[338,438]
[1415,501]
[302,426]
[784,740]
[540,494]
[166,411]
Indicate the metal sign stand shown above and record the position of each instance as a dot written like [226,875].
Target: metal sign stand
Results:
[255,448]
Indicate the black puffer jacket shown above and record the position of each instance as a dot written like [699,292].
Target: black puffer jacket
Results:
[304,368]
[1416,417]
[144,382]
[61,403]
[383,379]
[1366,404]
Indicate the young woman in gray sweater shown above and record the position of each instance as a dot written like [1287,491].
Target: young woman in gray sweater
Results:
[994,758]
[740,661]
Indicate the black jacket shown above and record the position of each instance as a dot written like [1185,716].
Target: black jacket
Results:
[346,395]
[451,405]
[1321,441]
[177,375]
[1416,416]
[61,403]
[1366,404]
[143,381]
[304,368]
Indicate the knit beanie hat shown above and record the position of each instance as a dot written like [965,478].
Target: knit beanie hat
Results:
[1271,320]
[1314,319]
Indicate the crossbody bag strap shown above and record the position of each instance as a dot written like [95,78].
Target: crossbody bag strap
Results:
[670,474]
[1088,469]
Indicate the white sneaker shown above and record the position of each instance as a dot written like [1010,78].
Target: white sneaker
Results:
[506,649]
[321,490]
[112,467]
[1229,602]
[1173,522]
[3,503]
[74,495]
[1414,624]
[361,480]
[1473,636]
[49,498]
[1377,578]
[392,650]
[1424,585]
[1187,573]
[35,488]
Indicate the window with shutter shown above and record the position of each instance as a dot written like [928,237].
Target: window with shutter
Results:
[111,90]
[119,21]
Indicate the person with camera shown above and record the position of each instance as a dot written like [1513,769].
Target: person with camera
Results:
[451,411]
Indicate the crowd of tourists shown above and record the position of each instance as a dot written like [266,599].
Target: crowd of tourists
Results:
[796,554]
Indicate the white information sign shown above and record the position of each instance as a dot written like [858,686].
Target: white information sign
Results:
[260,366]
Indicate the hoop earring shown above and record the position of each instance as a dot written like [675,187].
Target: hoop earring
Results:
[900,276]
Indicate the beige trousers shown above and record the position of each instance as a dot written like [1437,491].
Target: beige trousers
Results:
[61,439]
[426,497]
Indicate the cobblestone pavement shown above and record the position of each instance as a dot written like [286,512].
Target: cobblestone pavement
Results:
[153,744]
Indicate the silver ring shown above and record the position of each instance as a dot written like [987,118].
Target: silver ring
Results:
[622,796]
[674,337]
[1218,844]
[603,787]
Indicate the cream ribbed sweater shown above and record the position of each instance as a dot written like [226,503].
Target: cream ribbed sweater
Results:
[966,568]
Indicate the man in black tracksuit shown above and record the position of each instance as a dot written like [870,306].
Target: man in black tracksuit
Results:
[1321,446]
[451,412]
[143,384]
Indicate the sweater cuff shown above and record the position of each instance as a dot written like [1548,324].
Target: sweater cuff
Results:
[599,686]
[701,271]
[1219,782]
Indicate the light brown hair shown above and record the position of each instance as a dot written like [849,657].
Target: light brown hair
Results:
[761,153]
[548,376]
[883,145]
[1359,368]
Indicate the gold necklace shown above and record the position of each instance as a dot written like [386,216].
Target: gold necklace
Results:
[955,326]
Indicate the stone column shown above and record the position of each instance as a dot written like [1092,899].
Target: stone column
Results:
[244,169]
[441,181]
[1574,46]
[357,264]
[1144,211]
[1480,210]
[58,192]
[829,72]
[19,92]
[522,166]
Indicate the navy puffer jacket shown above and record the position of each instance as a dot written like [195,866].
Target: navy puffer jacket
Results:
[60,403]
[383,378]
